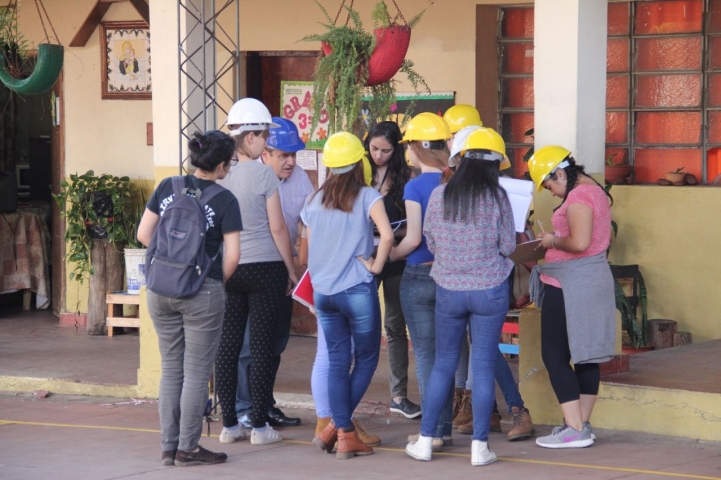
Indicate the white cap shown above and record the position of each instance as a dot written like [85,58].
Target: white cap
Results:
[249,114]
[458,141]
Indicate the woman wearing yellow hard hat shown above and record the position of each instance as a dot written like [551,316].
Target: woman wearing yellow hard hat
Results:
[426,136]
[469,229]
[463,119]
[339,217]
[575,291]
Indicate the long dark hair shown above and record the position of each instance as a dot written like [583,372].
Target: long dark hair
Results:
[341,190]
[210,149]
[473,179]
[398,169]
[573,172]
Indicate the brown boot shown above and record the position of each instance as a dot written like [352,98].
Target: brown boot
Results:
[466,428]
[349,445]
[326,439]
[465,412]
[522,424]
[321,424]
[496,422]
[457,396]
[365,437]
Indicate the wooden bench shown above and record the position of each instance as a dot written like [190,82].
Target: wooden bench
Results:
[115,301]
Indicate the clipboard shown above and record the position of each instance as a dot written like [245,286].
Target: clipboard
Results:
[528,252]
[303,292]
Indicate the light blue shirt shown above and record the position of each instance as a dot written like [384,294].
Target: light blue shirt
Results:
[336,239]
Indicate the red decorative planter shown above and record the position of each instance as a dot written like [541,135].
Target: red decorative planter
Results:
[388,54]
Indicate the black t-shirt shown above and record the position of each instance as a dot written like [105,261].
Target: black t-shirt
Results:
[222,214]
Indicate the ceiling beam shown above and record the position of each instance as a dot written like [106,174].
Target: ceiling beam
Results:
[96,16]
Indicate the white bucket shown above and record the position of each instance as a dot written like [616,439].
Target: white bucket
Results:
[134,269]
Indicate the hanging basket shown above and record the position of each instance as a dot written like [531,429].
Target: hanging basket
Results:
[388,54]
[46,72]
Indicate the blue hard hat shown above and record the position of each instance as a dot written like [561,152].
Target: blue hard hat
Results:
[286,137]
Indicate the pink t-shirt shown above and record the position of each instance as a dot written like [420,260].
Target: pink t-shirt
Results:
[595,197]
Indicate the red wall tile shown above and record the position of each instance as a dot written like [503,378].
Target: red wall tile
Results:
[668,90]
[675,53]
[653,163]
[616,127]
[668,127]
[517,22]
[517,57]
[668,17]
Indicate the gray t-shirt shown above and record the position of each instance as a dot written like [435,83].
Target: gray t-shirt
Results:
[253,184]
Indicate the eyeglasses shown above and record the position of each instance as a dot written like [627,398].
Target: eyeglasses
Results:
[234,161]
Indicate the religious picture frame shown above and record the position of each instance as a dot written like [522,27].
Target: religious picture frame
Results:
[125,61]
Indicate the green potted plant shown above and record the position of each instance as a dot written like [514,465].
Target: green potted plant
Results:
[351,57]
[616,172]
[94,207]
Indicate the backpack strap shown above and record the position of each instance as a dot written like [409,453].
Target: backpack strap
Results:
[178,185]
[209,193]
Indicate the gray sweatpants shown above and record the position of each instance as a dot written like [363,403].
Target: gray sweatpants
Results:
[188,333]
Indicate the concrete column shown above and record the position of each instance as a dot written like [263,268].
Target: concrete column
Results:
[570,78]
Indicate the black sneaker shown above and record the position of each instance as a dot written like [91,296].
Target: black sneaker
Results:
[168,458]
[406,408]
[201,457]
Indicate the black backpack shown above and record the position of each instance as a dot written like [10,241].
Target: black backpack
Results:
[176,264]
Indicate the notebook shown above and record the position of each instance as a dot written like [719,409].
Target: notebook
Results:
[303,292]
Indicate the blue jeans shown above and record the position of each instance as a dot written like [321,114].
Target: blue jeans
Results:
[484,311]
[351,314]
[418,299]
[507,383]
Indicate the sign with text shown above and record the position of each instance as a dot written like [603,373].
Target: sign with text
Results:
[295,106]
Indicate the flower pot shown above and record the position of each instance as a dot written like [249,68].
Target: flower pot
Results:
[387,58]
[616,174]
[676,178]
[388,54]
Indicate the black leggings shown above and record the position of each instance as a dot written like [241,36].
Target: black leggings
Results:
[255,292]
[568,383]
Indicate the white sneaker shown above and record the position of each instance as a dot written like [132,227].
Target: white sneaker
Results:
[481,454]
[421,449]
[230,435]
[264,437]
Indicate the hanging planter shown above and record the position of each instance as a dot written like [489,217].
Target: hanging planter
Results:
[49,61]
[355,64]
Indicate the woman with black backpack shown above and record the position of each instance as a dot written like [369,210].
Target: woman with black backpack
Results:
[189,327]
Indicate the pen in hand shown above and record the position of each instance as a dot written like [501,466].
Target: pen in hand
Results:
[540,224]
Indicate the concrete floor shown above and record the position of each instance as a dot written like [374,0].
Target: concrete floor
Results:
[94,438]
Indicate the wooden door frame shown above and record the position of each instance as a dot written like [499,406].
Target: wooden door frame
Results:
[57,141]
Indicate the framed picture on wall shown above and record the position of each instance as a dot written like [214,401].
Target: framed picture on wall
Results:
[125,61]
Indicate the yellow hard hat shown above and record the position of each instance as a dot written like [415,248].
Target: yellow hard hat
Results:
[426,127]
[487,139]
[342,149]
[544,161]
[367,171]
[461,116]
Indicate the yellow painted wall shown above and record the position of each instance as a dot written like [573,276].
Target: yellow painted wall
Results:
[673,234]
[106,136]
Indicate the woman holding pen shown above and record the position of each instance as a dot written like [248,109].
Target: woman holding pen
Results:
[345,294]
[575,292]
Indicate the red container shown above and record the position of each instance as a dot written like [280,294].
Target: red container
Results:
[389,53]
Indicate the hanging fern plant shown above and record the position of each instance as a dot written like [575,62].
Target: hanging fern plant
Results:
[343,69]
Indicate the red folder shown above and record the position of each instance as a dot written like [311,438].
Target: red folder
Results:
[303,292]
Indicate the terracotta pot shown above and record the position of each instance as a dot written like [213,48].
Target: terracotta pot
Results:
[676,178]
[616,174]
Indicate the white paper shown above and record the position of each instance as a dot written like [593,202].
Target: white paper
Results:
[322,172]
[520,194]
[306,159]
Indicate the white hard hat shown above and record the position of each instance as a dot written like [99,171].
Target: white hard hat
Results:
[249,114]
[458,141]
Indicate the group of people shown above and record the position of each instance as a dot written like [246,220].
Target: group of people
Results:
[426,218]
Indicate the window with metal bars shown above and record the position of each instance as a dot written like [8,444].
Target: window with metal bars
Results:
[663,97]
